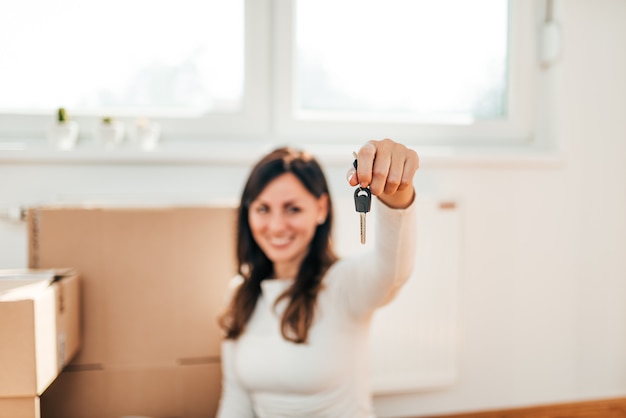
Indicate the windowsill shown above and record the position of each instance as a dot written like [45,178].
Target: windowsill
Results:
[245,153]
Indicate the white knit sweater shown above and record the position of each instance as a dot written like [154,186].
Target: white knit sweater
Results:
[266,376]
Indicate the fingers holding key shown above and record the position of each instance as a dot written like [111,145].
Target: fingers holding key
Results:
[388,168]
[361,173]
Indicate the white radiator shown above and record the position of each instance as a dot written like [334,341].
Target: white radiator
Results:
[413,339]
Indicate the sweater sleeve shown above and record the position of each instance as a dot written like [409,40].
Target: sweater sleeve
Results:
[373,279]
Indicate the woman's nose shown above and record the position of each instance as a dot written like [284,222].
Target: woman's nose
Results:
[276,222]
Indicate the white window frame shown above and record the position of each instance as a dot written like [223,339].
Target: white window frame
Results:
[252,119]
[517,129]
[267,116]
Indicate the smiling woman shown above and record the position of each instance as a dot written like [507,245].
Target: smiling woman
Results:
[297,324]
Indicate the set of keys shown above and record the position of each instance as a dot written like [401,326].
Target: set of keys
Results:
[362,203]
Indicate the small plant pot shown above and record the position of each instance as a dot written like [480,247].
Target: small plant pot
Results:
[145,134]
[110,134]
[63,135]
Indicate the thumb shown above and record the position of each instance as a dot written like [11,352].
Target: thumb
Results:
[351,177]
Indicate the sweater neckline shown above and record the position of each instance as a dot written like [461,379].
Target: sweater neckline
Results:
[272,288]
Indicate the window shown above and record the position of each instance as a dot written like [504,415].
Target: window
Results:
[450,72]
[415,60]
[445,72]
[123,56]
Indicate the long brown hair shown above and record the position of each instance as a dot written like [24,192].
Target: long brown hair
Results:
[253,264]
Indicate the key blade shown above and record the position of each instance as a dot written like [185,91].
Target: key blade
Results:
[362,228]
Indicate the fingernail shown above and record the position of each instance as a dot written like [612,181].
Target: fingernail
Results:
[350,174]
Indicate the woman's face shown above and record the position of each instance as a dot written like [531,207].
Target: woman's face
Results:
[283,219]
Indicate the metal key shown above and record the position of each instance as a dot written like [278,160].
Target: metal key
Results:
[362,204]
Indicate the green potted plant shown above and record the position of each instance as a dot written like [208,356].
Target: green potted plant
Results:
[63,133]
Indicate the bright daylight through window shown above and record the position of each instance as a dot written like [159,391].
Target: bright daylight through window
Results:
[265,70]
[411,60]
[144,57]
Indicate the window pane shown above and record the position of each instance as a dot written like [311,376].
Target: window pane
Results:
[439,61]
[132,56]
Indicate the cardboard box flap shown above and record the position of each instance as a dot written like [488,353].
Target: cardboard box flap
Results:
[56,273]
[26,274]
[26,284]
[22,289]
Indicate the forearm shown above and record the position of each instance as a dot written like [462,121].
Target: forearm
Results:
[373,278]
[396,241]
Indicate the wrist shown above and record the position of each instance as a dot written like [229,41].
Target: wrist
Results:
[400,199]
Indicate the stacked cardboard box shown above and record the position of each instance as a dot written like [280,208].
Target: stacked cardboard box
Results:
[39,334]
[154,282]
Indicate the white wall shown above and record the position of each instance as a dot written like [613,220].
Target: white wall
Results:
[542,293]
[543,288]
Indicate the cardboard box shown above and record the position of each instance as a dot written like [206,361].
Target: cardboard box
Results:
[189,391]
[154,279]
[39,329]
[154,282]
[26,407]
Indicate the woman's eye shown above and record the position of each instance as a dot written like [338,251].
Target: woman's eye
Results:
[261,209]
[293,209]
